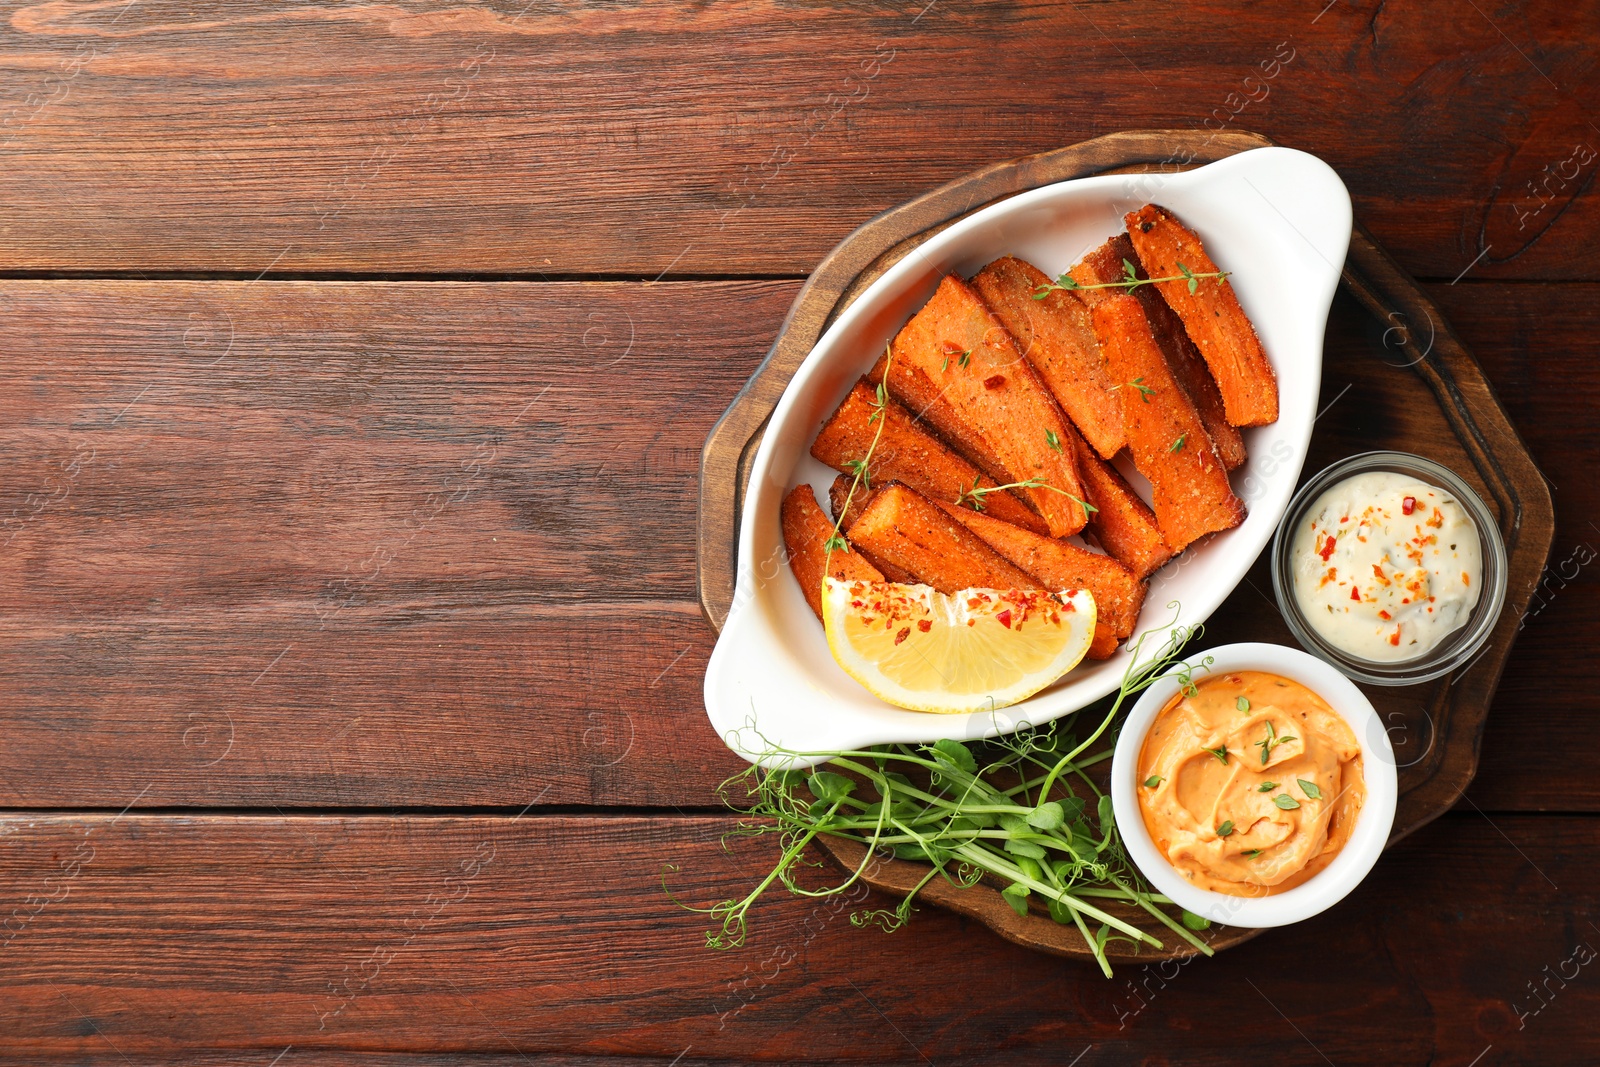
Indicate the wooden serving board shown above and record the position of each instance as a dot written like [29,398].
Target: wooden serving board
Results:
[1394,377]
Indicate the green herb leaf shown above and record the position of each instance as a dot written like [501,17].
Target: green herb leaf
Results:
[1052,440]
[1310,789]
[1195,922]
[1014,824]
[1225,829]
[1178,444]
[829,787]
[1059,911]
[956,754]
[836,543]
[945,365]
[1030,868]
[1046,816]
[1153,781]
[1266,787]
[1242,704]
[1221,753]
[1072,809]
[1252,853]
[1107,819]
[966,358]
[1286,802]
[1017,896]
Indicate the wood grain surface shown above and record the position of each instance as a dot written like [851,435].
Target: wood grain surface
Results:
[1390,342]
[547,935]
[277,280]
[137,635]
[637,138]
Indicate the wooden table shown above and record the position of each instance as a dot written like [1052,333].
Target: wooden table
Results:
[357,359]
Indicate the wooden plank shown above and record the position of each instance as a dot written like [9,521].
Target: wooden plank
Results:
[639,138]
[551,936]
[1537,348]
[371,534]
[208,528]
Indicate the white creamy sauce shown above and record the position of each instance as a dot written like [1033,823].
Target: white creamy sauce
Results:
[1386,567]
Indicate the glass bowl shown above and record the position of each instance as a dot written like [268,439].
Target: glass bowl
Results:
[1457,648]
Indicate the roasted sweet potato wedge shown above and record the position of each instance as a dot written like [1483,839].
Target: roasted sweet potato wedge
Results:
[908,453]
[838,492]
[1169,443]
[1211,315]
[1057,338]
[805,532]
[1059,565]
[1122,523]
[909,531]
[1106,264]
[996,408]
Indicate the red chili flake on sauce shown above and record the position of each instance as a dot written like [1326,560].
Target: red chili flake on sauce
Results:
[994,381]
[904,633]
[1408,505]
[1327,549]
[1355,594]
[1394,638]
[924,625]
[1385,615]
[1004,618]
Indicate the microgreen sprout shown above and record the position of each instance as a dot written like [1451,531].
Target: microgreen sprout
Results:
[1051,439]
[1020,811]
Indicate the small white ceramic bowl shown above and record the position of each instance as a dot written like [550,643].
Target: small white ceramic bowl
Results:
[1328,886]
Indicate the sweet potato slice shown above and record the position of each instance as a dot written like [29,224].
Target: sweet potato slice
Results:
[805,532]
[1106,264]
[1122,523]
[909,531]
[1059,565]
[846,518]
[925,400]
[907,453]
[995,405]
[1211,315]
[1169,443]
[1100,267]
[1057,338]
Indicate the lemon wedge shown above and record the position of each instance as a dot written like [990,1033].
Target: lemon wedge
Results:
[976,650]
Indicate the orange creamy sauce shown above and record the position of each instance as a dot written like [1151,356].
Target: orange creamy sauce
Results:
[1246,826]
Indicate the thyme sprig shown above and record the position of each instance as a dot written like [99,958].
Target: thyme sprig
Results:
[859,467]
[1000,809]
[1130,281]
[974,497]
